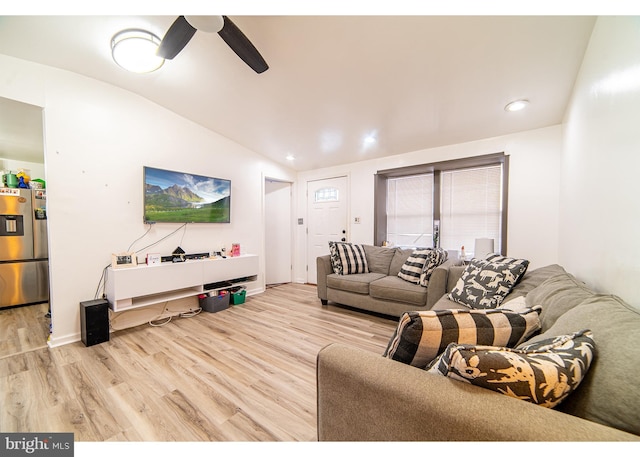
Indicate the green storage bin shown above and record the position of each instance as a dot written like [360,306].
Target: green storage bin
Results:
[237,298]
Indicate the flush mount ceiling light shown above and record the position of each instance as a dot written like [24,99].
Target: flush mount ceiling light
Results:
[516,105]
[369,140]
[135,50]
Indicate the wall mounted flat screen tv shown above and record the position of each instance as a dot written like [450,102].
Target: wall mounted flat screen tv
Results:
[172,196]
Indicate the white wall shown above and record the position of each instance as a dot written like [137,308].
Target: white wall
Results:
[600,222]
[97,139]
[533,210]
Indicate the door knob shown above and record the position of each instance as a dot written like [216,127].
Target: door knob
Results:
[344,231]
[343,239]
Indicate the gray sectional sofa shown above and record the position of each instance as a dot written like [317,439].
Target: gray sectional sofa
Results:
[380,290]
[364,396]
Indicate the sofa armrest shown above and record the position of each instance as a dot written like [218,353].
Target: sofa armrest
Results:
[323,269]
[455,273]
[363,396]
[437,285]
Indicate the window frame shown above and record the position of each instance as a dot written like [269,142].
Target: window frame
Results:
[380,189]
[327,200]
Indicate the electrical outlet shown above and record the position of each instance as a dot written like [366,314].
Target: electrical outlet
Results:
[356,220]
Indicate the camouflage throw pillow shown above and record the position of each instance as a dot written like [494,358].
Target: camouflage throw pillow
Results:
[544,373]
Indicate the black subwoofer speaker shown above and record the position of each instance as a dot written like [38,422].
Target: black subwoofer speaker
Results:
[94,321]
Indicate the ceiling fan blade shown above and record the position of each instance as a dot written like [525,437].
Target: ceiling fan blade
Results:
[241,45]
[176,38]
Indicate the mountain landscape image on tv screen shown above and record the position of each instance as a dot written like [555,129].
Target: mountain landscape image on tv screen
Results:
[172,196]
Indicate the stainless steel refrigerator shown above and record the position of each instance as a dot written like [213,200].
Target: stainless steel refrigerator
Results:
[24,250]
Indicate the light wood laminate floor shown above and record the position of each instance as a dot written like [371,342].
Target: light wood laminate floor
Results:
[23,329]
[243,374]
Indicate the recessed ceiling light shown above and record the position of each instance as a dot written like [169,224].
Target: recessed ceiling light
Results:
[369,140]
[135,50]
[290,157]
[516,105]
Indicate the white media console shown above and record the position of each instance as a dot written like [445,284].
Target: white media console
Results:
[143,285]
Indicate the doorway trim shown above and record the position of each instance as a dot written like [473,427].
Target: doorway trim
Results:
[265,242]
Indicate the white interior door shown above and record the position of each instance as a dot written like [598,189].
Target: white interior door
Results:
[327,214]
[277,232]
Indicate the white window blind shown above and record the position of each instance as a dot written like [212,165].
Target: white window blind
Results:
[470,207]
[410,210]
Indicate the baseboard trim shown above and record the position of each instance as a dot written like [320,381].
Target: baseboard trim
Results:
[61,341]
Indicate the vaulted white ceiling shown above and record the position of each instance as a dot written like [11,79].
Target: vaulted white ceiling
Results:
[410,82]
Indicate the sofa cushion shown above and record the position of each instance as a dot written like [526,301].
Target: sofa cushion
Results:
[532,279]
[400,256]
[445,303]
[395,289]
[517,304]
[486,282]
[358,284]
[421,335]
[378,258]
[413,266]
[609,395]
[529,281]
[348,258]
[436,257]
[544,373]
[557,295]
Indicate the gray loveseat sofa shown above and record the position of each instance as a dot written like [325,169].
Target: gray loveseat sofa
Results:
[364,396]
[380,290]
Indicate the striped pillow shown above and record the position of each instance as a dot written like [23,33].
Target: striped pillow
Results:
[413,266]
[422,335]
[436,258]
[348,258]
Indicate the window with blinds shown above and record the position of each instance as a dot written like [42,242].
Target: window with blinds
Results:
[410,210]
[470,206]
[465,198]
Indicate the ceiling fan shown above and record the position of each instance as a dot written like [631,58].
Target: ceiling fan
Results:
[184,27]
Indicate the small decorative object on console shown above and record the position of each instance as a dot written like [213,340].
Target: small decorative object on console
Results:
[178,255]
[154,259]
[235,250]
[124,259]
